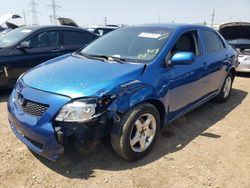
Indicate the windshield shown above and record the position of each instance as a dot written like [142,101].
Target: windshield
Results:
[13,37]
[138,44]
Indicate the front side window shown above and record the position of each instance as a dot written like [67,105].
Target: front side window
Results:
[211,41]
[188,42]
[138,44]
[45,39]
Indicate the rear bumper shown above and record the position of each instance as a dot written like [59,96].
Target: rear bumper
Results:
[243,67]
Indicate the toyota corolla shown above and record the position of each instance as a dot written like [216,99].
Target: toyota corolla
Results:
[127,85]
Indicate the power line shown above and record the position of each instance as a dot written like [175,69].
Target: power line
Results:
[54,8]
[34,12]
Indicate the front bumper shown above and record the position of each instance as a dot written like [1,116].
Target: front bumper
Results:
[37,133]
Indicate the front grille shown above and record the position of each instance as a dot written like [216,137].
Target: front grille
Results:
[30,107]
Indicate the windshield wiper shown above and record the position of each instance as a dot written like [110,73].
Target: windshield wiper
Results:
[88,56]
[117,59]
[103,57]
[110,58]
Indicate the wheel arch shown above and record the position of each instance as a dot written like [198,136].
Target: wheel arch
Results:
[161,109]
[233,71]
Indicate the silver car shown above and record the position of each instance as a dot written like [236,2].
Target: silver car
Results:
[244,59]
[237,35]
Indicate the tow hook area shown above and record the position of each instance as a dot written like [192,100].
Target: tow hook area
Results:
[82,136]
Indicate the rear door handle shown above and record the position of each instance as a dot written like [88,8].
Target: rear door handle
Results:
[55,50]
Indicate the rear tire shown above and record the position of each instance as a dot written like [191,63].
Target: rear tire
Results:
[134,136]
[225,90]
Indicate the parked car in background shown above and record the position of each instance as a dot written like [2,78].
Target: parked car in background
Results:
[5,25]
[26,47]
[98,30]
[237,35]
[102,30]
[127,85]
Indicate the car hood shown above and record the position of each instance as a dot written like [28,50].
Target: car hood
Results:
[76,77]
[67,22]
[235,30]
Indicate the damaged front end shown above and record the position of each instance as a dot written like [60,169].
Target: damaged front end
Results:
[83,131]
[85,134]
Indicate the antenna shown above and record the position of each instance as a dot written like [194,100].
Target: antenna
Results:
[34,12]
[54,7]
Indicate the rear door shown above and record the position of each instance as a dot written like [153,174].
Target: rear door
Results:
[216,56]
[72,40]
[45,45]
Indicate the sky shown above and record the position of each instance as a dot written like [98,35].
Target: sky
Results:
[92,12]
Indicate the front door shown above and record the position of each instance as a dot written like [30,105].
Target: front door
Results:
[187,83]
[43,46]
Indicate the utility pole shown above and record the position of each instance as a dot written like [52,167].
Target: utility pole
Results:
[159,18]
[54,7]
[24,18]
[105,20]
[34,12]
[50,18]
[213,15]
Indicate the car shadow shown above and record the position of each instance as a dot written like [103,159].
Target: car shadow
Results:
[173,138]
[243,74]
[4,95]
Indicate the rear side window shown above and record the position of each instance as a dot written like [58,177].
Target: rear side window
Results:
[212,41]
[77,38]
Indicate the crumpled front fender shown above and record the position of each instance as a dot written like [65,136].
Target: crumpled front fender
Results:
[131,94]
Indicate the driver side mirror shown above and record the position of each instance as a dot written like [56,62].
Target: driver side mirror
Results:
[183,58]
[24,45]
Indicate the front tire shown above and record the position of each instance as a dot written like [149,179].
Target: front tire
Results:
[226,89]
[134,136]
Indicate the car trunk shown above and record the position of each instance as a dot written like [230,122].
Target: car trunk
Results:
[235,30]
[237,35]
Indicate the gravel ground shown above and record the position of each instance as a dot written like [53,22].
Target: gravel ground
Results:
[208,147]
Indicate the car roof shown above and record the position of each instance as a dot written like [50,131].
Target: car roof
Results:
[171,25]
[38,27]
[102,27]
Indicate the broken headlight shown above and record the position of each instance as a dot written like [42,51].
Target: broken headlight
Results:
[77,111]
[84,109]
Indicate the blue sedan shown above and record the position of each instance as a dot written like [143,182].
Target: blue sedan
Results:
[127,85]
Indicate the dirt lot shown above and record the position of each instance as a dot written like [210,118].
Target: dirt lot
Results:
[209,146]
